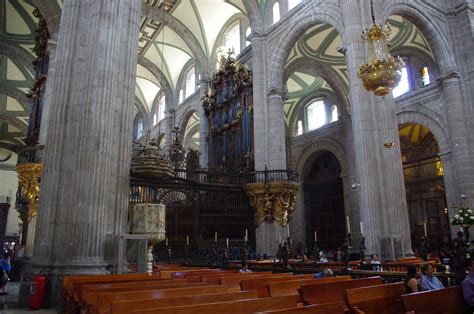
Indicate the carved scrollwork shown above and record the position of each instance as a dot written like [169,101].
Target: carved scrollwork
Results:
[29,177]
[273,201]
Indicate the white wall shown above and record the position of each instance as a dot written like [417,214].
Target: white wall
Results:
[8,188]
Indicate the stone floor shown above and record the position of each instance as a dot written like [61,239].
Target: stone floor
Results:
[9,302]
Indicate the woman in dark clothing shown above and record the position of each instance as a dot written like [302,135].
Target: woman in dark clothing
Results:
[411,281]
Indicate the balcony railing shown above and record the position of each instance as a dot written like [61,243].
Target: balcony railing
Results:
[30,154]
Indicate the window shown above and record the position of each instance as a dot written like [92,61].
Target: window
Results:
[160,110]
[425,76]
[276,12]
[334,114]
[190,82]
[299,127]
[293,3]
[315,115]
[139,129]
[181,95]
[247,34]
[232,38]
[403,86]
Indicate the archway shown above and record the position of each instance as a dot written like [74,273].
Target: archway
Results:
[424,184]
[324,203]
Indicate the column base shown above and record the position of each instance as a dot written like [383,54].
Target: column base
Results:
[54,271]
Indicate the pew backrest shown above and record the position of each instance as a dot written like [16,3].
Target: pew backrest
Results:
[105,299]
[326,308]
[445,301]
[281,288]
[380,299]
[231,307]
[332,292]
[260,284]
[126,307]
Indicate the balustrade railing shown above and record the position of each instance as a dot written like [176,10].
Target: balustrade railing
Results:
[31,154]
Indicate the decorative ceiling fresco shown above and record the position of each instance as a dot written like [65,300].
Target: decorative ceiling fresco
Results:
[322,44]
[17,39]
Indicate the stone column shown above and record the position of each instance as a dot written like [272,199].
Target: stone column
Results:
[203,124]
[269,136]
[52,46]
[87,153]
[456,113]
[382,202]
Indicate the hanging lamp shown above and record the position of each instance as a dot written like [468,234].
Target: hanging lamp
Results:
[382,72]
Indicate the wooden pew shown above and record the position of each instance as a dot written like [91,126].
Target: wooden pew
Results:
[442,301]
[260,284]
[276,289]
[91,294]
[381,299]
[233,282]
[193,277]
[105,299]
[216,278]
[126,307]
[231,307]
[72,286]
[332,292]
[327,308]
[176,273]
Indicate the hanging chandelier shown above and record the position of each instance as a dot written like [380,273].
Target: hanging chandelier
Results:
[382,72]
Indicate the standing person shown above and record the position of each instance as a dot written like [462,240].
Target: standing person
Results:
[411,281]
[468,283]
[428,280]
[7,266]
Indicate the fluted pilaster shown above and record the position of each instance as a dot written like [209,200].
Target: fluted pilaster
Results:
[87,153]
[382,199]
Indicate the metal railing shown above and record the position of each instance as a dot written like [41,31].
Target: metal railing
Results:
[30,154]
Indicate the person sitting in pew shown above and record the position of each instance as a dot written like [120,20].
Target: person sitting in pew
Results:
[428,280]
[245,268]
[325,273]
[468,283]
[411,281]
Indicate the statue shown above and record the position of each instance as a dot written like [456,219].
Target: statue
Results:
[346,251]
[362,249]
[149,258]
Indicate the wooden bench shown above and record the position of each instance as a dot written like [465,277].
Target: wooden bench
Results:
[180,272]
[380,299]
[126,307]
[260,284]
[91,294]
[231,307]
[193,277]
[72,286]
[327,308]
[276,289]
[442,301]
[233,282]
[105,299]
[217,278]
[332,292]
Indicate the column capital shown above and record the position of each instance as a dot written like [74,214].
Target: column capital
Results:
[447,76]
[276,91]
[256,35]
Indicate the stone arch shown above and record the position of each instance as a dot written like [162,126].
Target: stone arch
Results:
[143,113]
[18,54]
[182,121]
[429,120]
[160,77]
[181,81]
[253,14]
[309,155]
[282,44]
[320,69]
[17,123]
[51,13]
[16,94]
[157,14]
[419,15]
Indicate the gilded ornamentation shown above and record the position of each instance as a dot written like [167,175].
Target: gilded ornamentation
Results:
[272,201]
[150,164]
[382,71]
[29,177]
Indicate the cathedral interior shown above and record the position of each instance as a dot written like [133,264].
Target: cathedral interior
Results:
[230,123]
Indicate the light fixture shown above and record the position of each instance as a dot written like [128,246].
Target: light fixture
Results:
[382,71]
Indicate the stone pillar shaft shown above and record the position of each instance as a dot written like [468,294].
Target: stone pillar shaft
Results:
[87,150]
[382,202]
[203,126]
